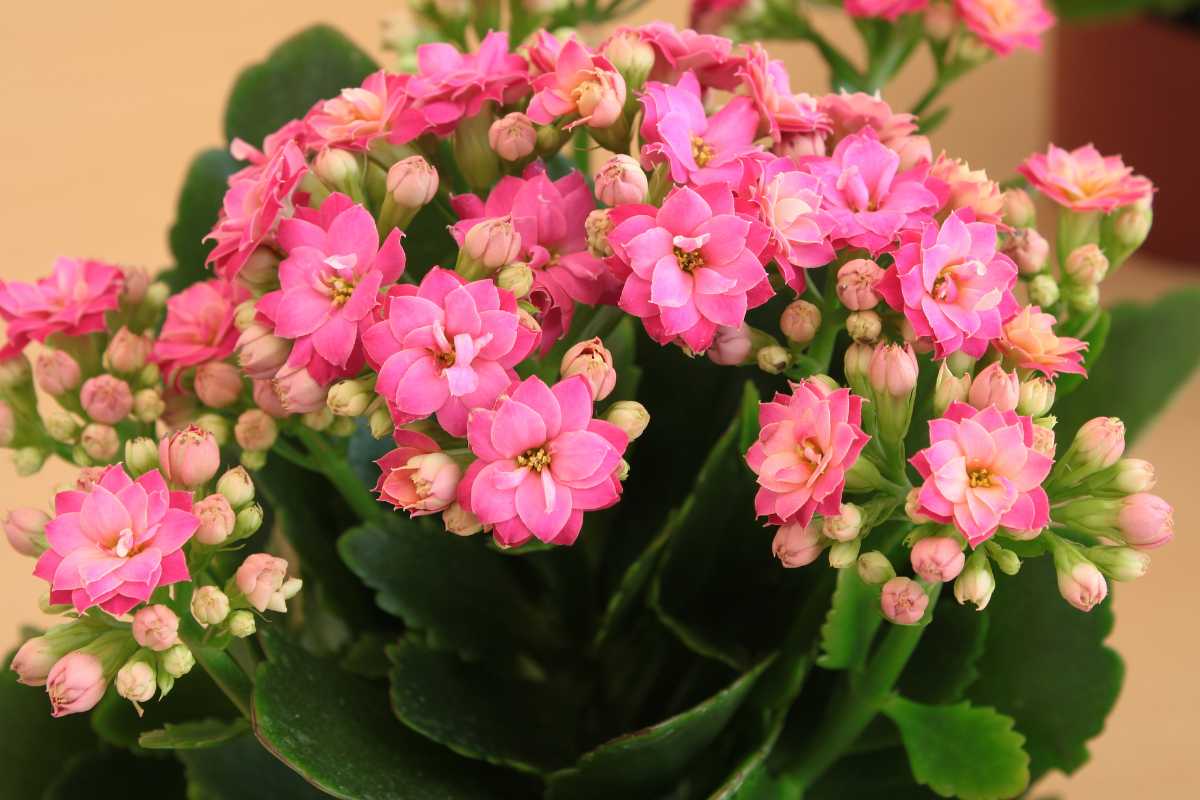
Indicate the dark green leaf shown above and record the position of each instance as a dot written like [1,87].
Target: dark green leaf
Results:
[194,697]
[630,589]
[944,664]
[116,773]
[961,751]
[336,730]
[640,764]
[195,213]
[1046,665]
[427,241]
[622,344]
[364,450]
[314,64]
[194,735]
[242,770]
[880,774]
[853,619]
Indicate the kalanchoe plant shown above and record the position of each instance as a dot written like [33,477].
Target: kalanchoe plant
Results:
[546,431]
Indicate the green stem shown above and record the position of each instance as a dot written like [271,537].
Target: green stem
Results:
[333,465]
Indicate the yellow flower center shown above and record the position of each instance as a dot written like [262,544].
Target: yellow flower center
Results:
[535,458]
[689,261]
[701,151]
[340,291]
[979,478]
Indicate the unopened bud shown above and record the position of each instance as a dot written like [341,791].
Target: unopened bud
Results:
[857,365]
[1119,563]
[513,136]
[249,520]
[177,661]
[217,520]
[318,420]
[591,360]
[845,525]
[995,387]
[938,558]
[141,455]
[61,425]
[241,623]
[237,487]
[731,346]
[381,422]
[412,182]
[1099,444]
[632,56]
[100,442]
[856,282]
[25,530]
[1028,249]
[844,554]
[218,384]
[1037,397]
[630,416]
[255,430]
[903,601]
[621,181]
[800,321]
[874,568]
[1008,561]
[796,545]
[1019,211]
[773,359]
[976,583]
[491,244]
[148,405]
[1087,265]
[1080,582]
[597,226]
[893,370]
[1083,298]
[210,606]
[864,326]
[1127,476]
[29,460]
[912,506]
[126,352]
[340,169]
[460,521]
[516,278]
[253,460]
[217,425]
[1043,291]
[138,679]
[349,398]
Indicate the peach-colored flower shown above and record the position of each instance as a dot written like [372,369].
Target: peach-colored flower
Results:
[1029,342]
[1084,180]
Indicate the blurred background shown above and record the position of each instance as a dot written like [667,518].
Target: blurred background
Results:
[108,102]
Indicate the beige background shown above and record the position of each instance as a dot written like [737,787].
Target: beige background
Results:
[105,103]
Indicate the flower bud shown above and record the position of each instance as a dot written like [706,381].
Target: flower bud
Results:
[248,521]
[597,226]
[1119,563]
[156,627]
[874,568]
[218,384]
[141,455]
[381,422]
[632,56]
[620,181]
[137,679]
[217,519]
[217,425]
[858,367]
[25,530]
[1082,298]
[297,391]
[237,487]
[1036,397]
[472,153]
[412,182]
[260,352]
[800,321]
[1127,476]
[516,279]
[148,405]
[210,606]
[949,389]
[1125,231]
[1008,561]
[844,526]
[255,430]
[126,352]
[513,136]
[460,521]
[903,601]
[57,373]
[864,476]
[133,287]
[913,150]
[340,169]
[1146,521]
[348,398]
[856,282]
[773,359]
[893,370]
[976,583]
[1019,211]
[492,243]
[731,346]
[1087,265]
[1028,249]
[1098,444]
[592,360]
[8,425]
[260,578]
[61,425]
[106,399]
[321,419]
[995,387]
[1079,581]
[189,457]
[630,416]
[100,442]
[37,656]
[797,545]
[29,460]
[1043,291]
[912,507]
[864,326]
[937,558]
[77,681]
[176,661]
[241,623]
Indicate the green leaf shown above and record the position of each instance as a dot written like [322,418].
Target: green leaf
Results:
[883,773]
[961,751]
[116,773]
[1139,373]
[642,763]
[314,64]
[242,770]
[449,586]
[336,730]
[633,583]
[427,241]
[478,711]
[193,735]
[194,697]
[945,662]
[850,627]
[1046,665]
[1096,337]
[195,214]
[622,344]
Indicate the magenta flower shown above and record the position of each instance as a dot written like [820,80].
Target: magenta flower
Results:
[446,347]
[807,441]
[982,472]
[71,301]
[542,462]
[790,204]
[582,83]
[199,327]
[699,150]
[359,115]
[1084,180]
[953,285]
[1005,25]
[417,476]
[691,266]
[113,545]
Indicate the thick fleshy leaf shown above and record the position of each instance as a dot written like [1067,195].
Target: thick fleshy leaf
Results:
[316,63]
[116,773]
[195,214]
[944,664]
[882,773]
[242,770]
[193,697]
[851,624]
[194,735]
[961,751]
[624,598]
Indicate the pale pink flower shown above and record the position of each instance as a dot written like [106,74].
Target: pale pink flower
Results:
[114,545]
[260,352]
[260,578]
[359,115]
[1084,180]
[542,462]
[856,282]
[869,200]
[446,347]
[797,545]
[127,351]
[903,601]
[512,136]
[198,328]
[417,476]
[967,188]
[807,441]
[331,279]
[995,387]
[1029,342]
[583,84]
[887,9]
[75,684]
[938,559]
[981,472]
[782,113]
[953,285]
[189,456]
[217,519]
[790,205]
[690,266]
[71,301]
[620,181]
[1005,25]
[1146,521]
[156,627]
[106,399]
[852,112]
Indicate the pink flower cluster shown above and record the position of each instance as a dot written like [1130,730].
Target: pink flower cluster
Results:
[72,301]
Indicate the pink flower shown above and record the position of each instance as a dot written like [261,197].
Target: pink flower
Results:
[260,578]
[258,197]
[870,201]
[331,279]
[1084,180]
[75,684]
[446,347]
[115,544]
[417,476]
[1029,342]
[856,282]
[1005,25]
[781,112]
[798,545]
[691,265]
[189,457]
[198,328]
[543,461]
[953,285]
[731,346]
[789,203]
[699,149]
[156,627]
[903,601]
[71,301]
[968,188]
[887,9]
[806,443]
[680,51]
[938,558]
[981,472]
[106,399]
[995,387]
[582,83]
[851,113]
[357,116]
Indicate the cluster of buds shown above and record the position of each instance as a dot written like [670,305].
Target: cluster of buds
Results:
[797,545]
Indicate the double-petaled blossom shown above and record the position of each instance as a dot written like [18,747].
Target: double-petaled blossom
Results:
[886,9]
[1005,25]
[359,115]
[789,203]
[964,187]
[981,472]
[417,476]
[446,347]
[851,112]
[542,462]
[680,51]
[113,545]
[72,300]
[330,280]
[783,114]
[807,441]
[691,266]
[697,148]
[199,327]
[953,285]
[869,199]
[1029,342]
[1084,180]
[583,84]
